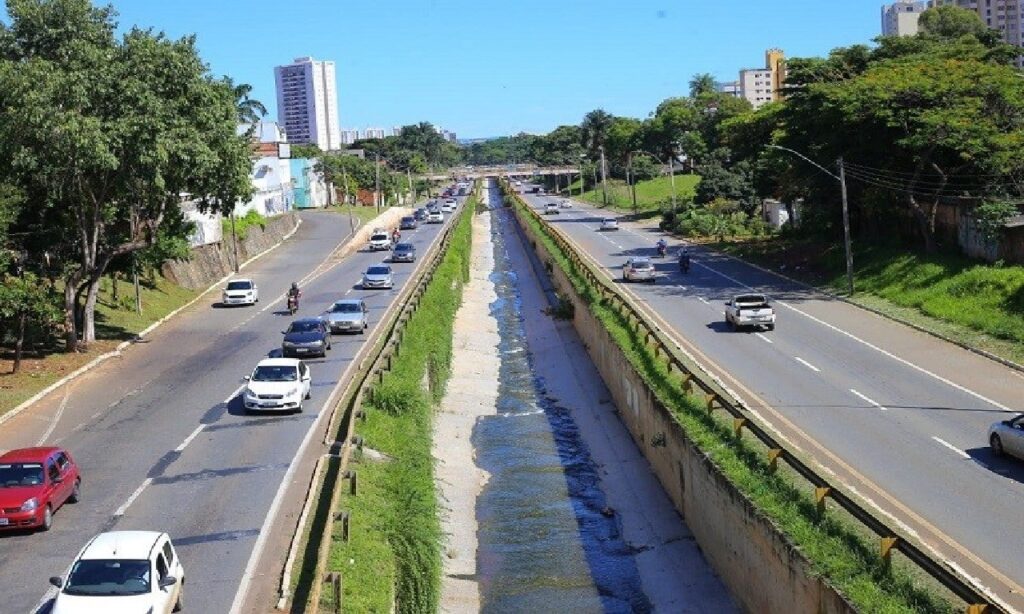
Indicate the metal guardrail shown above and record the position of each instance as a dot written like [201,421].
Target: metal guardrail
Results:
[351,407]
[889,539]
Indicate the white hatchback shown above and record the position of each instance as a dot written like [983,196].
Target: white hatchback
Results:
[609,223]
[240,292]
[123,571]
[277,384]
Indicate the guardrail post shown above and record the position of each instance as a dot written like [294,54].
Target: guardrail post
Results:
[353,478]
[345,518]
[819,498]
[688,383]
[773,458]
[977,608]
[737,426]
[886,546]
[711,403]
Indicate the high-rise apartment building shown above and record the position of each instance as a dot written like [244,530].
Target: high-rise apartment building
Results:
[349,136]
[731,88]
[307,103]
[900,18]
[373,133]
[1002,15]
[763,85]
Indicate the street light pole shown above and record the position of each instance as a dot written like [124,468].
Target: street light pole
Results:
[841,178]
[672,180]
[376,191]
[604,179]
[631,180]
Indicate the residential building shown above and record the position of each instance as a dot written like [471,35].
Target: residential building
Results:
[731,88]
[396,130]
[307,103]
[271,174]
[763,85]
[900,17]
[308,187]
[448,135]
[1002,15]
[349,136]
[373,133]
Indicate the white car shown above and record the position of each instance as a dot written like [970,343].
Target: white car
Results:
[240,292]
[565,204]
[639,268]
[609,223]
[123,571]
[448,206]
[551,209]
[435,217]
[1007,437]
[750,310]
[378,276]
[380,240]
[277,384]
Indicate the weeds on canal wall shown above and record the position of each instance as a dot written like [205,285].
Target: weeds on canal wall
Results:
[394,556]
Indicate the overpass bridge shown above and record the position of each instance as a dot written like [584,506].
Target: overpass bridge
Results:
[506,170]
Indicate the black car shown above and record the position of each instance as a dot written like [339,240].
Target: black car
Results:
[408,223]
[420,214]
[306,337]
[404,252]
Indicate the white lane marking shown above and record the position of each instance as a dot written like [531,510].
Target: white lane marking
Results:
[56,416]
[703,300]
[869,401]
[764,338]
[868,344]
[234,394]
[955,449]
[807,364]
[135,495]
[188,440]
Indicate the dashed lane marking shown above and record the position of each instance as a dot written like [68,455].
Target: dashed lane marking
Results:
[955,449]
[135,495]
[807,364]
[188,440]
[764,338]
[869,401]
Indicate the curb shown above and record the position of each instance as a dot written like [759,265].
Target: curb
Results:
[95,362]
[980,352]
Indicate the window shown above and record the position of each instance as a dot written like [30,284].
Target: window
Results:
[52,471]
[161,567]
[62,461]
[169,553]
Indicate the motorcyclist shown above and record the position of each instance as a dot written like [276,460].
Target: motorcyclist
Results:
[294,293]
[662,247]
[395,236]
[684,260]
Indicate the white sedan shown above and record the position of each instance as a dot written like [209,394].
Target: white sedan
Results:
[609,223]
[240,292]
[277,384]
[123,571]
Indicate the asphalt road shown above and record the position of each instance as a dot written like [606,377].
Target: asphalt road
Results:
[161,437]
[898,416]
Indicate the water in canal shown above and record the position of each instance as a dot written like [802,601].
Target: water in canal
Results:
[544,544]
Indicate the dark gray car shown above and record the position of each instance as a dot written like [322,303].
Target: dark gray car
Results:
[404,252]
[347,316]
[306,337]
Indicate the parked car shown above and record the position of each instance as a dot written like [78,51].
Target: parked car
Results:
[240,292]
[306,337]
[35,483]
[380,240]
[123,571]
[551,209]
[750,310]
[404,252]
[639,269]
[347,316]
[420,214]
[408,223]
[435,217]
[1007,437]
[378,276]
[609,223]
[276,384]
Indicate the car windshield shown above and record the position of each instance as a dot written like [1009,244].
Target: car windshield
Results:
[403,247]
[752,299]
[346,308]
[378,270]
[610,221]
[408,220]
[642,264]
[278,373]
[108,577]
[239,285]
[379,237]
[304,326]
[20,474]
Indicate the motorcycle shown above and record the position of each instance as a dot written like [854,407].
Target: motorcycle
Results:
[684,264]
[293,304]
[662,250]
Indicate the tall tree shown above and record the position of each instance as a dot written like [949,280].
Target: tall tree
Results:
[702,84]
[594,130]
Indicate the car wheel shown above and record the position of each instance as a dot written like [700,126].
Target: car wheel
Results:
[996,444]
[770,327]
[731,324]
[309,395]
[329,344]
[47,518]
[180,603]
[76,492]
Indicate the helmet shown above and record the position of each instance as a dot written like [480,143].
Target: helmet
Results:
[295,286]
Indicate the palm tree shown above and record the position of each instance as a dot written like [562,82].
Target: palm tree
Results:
[249,109]
[701,84]
[594,129]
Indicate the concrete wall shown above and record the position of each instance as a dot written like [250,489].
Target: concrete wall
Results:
[763,570]
[215,260]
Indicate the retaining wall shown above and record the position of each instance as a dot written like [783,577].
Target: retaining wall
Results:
[764,572]
[215,260]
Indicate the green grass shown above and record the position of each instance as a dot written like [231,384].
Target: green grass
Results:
[972,302]
[835,549]
[651,195]
[116,321]
[395,550]
[243,224]
[363,214]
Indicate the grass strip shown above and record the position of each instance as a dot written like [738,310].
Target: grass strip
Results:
[651,195]
[393,559]
[836,550]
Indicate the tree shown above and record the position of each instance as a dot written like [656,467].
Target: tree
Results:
[594,130]
[306,151]
[105,135]
[26,303]
[249,110]
[702,84]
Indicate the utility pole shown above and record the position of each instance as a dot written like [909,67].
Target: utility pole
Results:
[631,181]
[351,206]
[672,179]
[604,179]
[846,228]
[234,239]
[376,191]
[412,190]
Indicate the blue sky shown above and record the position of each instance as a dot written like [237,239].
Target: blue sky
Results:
[484,68]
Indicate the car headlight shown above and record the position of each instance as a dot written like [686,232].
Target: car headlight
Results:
[288,344]
[292,392]
[249,394]
[30,505]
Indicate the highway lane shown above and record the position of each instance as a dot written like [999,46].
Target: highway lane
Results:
[160,435]
[898,414]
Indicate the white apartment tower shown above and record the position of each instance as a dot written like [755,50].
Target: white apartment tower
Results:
[307,103]
[900,18]
[763,85]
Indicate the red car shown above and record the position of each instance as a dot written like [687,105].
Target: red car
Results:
[34,483]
